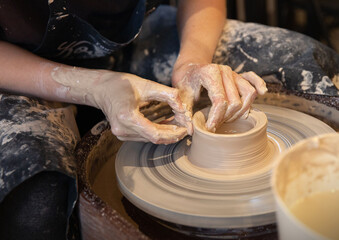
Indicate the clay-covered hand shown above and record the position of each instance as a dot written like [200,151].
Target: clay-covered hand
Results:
[119,96]
[231,94]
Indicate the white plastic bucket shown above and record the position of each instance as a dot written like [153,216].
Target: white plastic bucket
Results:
[309,167]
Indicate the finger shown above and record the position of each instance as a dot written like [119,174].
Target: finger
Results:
[248,94]
[157,133]
[187,101]
[143,104]
[128,134]
[163,93]
[246,113]
[168,121]
[232,94]
[212,81]
[122,130]
[173,121]
[256,81]
[167,134]
[132,138]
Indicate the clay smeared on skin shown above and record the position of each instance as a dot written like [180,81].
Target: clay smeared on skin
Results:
[231,94]
[120,95]
[78,82]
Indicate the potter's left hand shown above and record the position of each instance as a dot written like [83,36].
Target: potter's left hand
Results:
[231,94]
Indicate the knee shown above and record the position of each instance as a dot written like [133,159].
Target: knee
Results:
[37,208]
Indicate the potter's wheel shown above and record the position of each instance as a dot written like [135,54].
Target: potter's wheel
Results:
[161,181]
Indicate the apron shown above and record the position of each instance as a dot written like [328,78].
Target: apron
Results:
[38,136]
[69,37]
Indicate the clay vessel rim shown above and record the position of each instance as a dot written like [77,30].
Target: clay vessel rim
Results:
[259,117]
[305,144]
[126,159]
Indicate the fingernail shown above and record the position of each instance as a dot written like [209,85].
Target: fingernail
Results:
[190,129]
[212,128]
[264,90]
[245,115]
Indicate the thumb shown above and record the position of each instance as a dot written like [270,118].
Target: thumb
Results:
[187,99]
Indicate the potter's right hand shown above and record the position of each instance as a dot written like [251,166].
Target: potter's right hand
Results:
[119,96]
[231,94]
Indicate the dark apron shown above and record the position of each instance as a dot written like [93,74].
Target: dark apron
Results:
[69,37]
[40,137]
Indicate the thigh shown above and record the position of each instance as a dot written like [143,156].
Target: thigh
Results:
[35,136]
[36,209]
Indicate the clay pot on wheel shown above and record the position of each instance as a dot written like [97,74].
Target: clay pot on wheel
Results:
[106,214]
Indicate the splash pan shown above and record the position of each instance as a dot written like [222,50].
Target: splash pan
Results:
[166,182]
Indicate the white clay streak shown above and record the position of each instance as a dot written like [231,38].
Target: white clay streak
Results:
[248,56]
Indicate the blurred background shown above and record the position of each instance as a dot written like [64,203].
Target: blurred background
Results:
[316,18]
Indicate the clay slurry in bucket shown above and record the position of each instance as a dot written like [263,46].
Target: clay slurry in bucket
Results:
[320,212]
[305,184]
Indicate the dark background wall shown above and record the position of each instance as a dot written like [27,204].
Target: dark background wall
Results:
[316,18]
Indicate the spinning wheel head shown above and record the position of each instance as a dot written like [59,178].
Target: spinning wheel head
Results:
[221,182]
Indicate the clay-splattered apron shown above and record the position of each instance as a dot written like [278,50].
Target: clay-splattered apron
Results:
[36,135]
[70,37]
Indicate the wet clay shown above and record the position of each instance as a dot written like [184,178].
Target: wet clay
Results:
[105,185]
[231,94]
[163,181]
[320,212]
[323,108]
[239,126]
[307,171]
[235,153]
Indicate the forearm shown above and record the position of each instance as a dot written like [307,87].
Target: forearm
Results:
[24,73]
[200,24]
[118,95]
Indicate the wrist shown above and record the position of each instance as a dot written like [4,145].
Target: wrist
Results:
[78,85]
[184,66]
[191,58]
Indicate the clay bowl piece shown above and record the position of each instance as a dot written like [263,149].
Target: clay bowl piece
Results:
[165,181]
[236,148]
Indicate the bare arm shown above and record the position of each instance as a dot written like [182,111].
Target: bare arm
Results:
[25,73]
[118,95]
[200,24]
